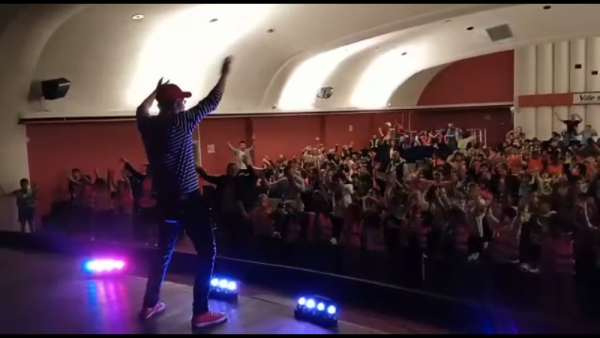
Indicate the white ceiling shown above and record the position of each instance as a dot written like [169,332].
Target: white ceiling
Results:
[114,61]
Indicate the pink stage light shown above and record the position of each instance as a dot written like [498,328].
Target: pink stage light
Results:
[104,265]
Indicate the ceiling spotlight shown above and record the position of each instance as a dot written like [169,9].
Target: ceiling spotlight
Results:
[272,30]
[137,17]
[470,28]
[546,7]
[214,20]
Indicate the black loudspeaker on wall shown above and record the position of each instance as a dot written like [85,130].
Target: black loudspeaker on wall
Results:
[55,89]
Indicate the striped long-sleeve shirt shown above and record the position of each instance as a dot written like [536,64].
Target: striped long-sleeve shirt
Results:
[169,145]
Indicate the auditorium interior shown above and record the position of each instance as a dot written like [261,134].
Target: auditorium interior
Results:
[445,159]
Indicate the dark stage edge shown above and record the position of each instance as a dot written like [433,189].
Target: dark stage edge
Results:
[408,311]
[50,294]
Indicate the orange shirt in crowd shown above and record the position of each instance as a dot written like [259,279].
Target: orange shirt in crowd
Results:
[555,169]
[515,162]
[536,164]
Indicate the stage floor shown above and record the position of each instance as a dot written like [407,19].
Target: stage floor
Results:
[50,294]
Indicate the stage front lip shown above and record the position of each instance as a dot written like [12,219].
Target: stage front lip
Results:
[444,312]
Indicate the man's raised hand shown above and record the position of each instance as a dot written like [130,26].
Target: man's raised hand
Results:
[160,83]
[226,67]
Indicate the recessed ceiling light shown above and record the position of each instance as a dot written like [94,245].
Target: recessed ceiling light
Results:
[137,17]
[470,28]
[546,7]
[214,20]
[272,30]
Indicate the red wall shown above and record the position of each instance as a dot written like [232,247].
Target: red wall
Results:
[54,149]
[484,79]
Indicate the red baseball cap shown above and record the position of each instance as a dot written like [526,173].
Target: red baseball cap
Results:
[171,92]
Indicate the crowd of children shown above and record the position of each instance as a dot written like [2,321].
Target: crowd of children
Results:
[107,206]
[522,207]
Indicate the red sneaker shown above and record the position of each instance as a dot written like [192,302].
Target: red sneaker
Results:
[208,319]
[148,313]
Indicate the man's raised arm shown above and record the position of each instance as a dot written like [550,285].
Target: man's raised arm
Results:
[143,110]
[192,117]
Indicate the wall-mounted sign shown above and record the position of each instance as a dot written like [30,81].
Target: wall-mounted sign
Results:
[210,148]
[586,98]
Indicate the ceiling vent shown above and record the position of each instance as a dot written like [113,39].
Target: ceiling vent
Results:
[499,33]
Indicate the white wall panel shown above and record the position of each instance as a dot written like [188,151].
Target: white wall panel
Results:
[577,57]
[561,67]
[525,84]
[557,68]
[527,118]
[544,85]
[592,112]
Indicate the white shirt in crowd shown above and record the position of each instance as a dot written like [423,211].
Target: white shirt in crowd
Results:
[240,155]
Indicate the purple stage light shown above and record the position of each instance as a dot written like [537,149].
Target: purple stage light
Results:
[104,265]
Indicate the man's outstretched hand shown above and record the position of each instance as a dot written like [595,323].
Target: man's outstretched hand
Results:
[226,67]
[160,83]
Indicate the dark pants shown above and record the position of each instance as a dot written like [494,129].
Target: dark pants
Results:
[144,224]
[190,213]
[27,216]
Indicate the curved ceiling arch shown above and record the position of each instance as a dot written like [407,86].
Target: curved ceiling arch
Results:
[300,90]
[410,91]
[301,81]
[168,52]
[97,48]
[406,53]
[344,78]
[24,32]
[452,40]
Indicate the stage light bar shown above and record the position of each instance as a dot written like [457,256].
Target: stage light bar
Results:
[224,289]
[103,266]
[317,310]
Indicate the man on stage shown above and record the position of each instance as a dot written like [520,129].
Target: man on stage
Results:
[168,142]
